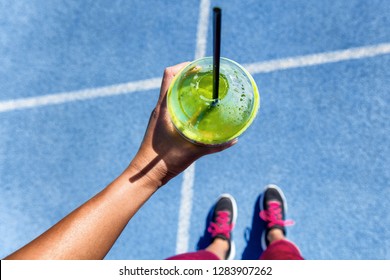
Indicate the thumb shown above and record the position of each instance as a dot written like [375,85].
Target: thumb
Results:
[169,74]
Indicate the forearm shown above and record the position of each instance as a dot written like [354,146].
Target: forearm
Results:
[90,231]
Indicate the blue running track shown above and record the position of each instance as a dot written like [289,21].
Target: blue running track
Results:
[78,80]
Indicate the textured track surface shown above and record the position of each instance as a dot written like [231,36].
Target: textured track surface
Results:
[322,133]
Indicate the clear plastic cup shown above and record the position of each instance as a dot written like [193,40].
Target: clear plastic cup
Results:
[200,118]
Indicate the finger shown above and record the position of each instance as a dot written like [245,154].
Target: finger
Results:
[220,148]
[169,74]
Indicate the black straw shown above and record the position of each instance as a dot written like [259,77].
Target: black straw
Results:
[216,50]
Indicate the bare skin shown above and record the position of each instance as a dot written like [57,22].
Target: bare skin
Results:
[275,234]
[90,231]
[219,247]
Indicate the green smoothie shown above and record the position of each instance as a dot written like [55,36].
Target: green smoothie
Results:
[206,121]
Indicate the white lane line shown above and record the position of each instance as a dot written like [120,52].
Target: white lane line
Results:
[319,58]
[57,98]
[183,236]
[183,228]
[201,35]
[154,83]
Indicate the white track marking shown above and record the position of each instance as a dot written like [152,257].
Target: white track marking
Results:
[183,228]
[57,98]
[185,210]
[201,35]
[316,59]
[154,83]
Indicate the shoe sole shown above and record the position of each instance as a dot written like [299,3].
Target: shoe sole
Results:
[263,237]
[232,252]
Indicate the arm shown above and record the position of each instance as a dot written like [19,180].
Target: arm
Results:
[90,231]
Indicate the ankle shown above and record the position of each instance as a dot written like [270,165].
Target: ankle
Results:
[275,234]
[219,247]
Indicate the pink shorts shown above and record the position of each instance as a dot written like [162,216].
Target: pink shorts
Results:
[278,250]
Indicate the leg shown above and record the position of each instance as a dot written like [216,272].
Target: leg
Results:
[198,255]
[273,210]
[220,228]
[281,250]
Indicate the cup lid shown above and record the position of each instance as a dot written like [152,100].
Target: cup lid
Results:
[204,120]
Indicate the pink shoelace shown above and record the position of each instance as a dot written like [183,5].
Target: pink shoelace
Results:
[222,225]
[274,215]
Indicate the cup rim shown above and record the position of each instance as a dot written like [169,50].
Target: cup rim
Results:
[254,112]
